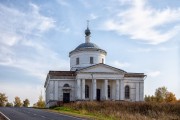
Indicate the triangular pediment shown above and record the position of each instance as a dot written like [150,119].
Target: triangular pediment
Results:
[102,68]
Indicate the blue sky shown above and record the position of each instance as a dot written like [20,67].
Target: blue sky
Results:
[138,35]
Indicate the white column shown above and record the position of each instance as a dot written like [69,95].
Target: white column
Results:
[122,90]
[105,89]
[78,89]
[91,91]
[137,91]
[141,91]
[53,90]
[117,89]
[94,89]
[83,89]
[56,90]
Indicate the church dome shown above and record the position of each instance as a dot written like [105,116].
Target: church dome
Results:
[87,45]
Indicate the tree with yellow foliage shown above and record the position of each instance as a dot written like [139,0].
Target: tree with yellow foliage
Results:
[161,95]
[170,97]
[3,99]
[41,102]
[17,102]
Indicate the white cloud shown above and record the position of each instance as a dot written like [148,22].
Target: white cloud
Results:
[63,2]
[119,64]
[9,39]
[163,49]
[140,50]
[93,16]
[123,2]
[20,41]
[142,22]
[146,50]
[153,73]
[85,3]
[16,25]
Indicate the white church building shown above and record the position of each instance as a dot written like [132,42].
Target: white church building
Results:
[91,79]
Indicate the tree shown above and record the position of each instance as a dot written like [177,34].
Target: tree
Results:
[8,104]
[3,99]
[153,99]
[35,105]
[170,97]
[17,102]
[147,98]
[150,98]
[41,102]
[160,94]
[26,103]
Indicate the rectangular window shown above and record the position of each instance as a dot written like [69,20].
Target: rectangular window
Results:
[86,91]
[102,60]
[91,60]
[77,61]
[109,91]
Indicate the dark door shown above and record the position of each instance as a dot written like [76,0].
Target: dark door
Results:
[98,94]
[66,97]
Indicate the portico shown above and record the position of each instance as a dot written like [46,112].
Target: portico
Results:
[99,82]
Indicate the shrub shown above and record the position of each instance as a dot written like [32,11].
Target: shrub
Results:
[127,110]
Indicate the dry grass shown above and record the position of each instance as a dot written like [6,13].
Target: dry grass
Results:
[126,110]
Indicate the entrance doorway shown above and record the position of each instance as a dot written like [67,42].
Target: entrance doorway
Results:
[66,97]
[98,94]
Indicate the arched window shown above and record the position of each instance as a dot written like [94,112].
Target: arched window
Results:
[66,85]
[127,92]
[86,91]
[109,91]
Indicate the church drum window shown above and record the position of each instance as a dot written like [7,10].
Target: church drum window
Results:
[109,91]
[86,91]
[127,92]
[77,61]
[91,60]
[102,60]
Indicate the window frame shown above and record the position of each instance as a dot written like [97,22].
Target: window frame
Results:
[127,92]
[109,91]
[86,91]
[77,61]
[103,60]
[91,60]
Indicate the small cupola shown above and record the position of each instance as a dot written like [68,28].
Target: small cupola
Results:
[87,33]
